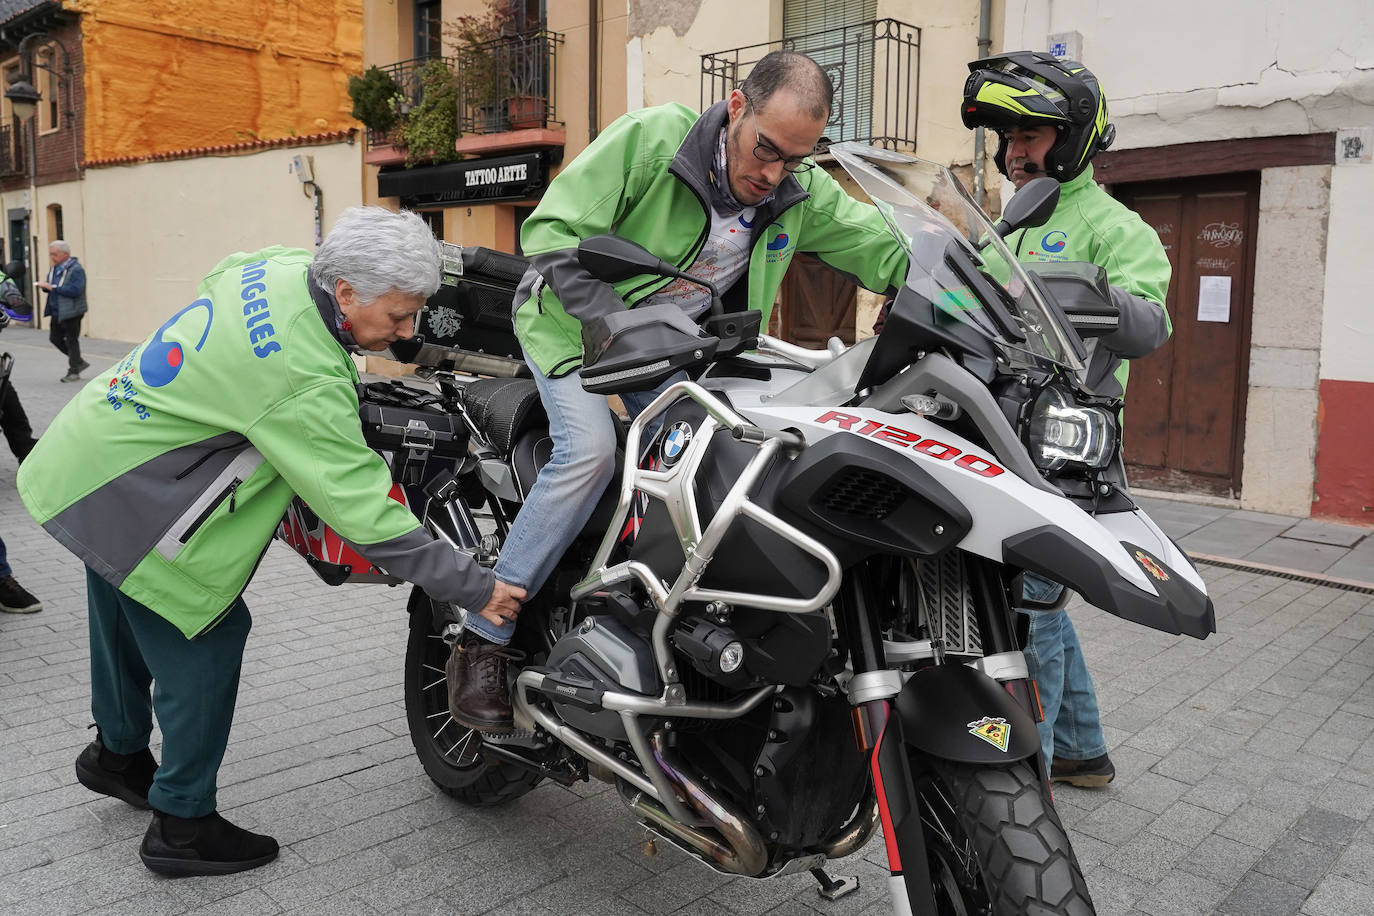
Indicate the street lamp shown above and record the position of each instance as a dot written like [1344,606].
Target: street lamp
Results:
[21,92]
[24,98]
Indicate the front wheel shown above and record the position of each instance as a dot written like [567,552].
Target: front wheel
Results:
[450,753]
[995,844]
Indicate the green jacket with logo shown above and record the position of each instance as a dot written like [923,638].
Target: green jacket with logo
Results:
[167,474]
[647,178]
[1088,224]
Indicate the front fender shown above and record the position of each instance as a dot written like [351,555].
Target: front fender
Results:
[956,713]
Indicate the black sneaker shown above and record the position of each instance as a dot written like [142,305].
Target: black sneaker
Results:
[127,777]
[1086,774]
[15,599]
[83,367]
[209,845]
[71,377]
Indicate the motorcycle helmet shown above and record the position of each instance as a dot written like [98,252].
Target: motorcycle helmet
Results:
[15,271]
[1029,88]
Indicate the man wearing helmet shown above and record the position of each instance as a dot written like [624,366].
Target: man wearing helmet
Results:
[1050,116]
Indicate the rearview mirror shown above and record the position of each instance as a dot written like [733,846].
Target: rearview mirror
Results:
[612,258]
[1033,205]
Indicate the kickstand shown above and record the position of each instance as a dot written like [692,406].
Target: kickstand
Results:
[836,887]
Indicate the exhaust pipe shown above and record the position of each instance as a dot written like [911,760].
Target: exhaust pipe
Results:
[743,852]
[857,833]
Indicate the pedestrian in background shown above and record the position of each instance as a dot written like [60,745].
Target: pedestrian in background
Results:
[66,287]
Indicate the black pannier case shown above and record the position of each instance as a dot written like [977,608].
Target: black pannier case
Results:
[467,325]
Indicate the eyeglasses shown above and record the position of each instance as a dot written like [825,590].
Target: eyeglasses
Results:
[767,152]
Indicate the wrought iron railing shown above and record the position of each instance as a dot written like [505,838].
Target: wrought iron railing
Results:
[11,150]
[408,76]
[875,67]
[509,84]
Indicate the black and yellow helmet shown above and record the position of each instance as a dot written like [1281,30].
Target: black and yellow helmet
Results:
[1028,88]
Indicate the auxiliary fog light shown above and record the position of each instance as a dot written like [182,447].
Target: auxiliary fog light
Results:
[731,657]
[1062,432]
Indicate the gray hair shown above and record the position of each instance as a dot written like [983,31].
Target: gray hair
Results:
[376,250]
[60,246]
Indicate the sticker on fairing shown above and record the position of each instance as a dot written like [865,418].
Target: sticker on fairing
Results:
[1151,566]
[995,731]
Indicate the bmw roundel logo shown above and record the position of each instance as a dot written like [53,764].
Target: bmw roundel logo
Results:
[675,443]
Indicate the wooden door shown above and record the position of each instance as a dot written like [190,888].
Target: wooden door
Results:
[817,303]
[1185,403]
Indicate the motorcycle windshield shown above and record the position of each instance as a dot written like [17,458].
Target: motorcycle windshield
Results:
[957,260]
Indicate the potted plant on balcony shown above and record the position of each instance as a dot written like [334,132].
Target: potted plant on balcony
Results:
[478,39]
[374,96]
[527,105]
[430,128]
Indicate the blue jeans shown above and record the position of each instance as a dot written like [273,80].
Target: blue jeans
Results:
[568,488]
[1073,726]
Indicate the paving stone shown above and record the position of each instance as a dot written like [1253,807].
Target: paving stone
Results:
[1338,895]
[1261,895]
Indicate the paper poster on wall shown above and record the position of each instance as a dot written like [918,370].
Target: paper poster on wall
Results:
[1214,299]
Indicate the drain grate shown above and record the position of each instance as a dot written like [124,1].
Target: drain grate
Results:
[1297,575]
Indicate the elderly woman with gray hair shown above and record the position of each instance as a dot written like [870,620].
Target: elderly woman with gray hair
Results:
[168,473]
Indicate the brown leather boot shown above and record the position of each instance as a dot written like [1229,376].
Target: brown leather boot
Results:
[477,694]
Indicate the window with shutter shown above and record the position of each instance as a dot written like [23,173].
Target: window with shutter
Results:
[830,33]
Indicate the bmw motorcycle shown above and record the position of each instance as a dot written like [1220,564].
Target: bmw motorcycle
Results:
[790,622]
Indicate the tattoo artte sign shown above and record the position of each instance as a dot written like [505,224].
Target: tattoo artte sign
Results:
[475,181]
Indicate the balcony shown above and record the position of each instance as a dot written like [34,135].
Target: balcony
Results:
[507,94]
[875,67]
[12,160]
[406,73]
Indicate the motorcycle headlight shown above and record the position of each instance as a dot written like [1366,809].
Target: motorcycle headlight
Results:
[1062,432]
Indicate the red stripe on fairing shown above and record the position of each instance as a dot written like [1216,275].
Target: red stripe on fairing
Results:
[894,858]
[1345,439]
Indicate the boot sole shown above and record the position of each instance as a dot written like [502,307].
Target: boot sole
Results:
[481,725]
[99,782]
[188,868]
[1086,780]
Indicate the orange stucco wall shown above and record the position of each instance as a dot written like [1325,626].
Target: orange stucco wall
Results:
[165,75]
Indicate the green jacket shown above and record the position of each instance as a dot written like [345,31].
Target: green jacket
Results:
[167,474]
[647,178]
[1090,225]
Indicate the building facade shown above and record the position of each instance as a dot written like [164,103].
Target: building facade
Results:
[1245,133]
[169,134]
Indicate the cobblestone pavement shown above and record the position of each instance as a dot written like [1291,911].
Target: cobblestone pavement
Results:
[1245,764]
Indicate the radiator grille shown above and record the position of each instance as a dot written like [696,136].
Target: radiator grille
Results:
[946,606]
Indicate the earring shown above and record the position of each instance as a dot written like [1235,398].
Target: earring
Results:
[347,325]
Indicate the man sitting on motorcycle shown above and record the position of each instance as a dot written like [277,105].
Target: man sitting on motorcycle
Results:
[1051,119]
[729,196]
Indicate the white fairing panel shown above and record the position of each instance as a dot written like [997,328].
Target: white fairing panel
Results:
[1002,504]
[1139,529]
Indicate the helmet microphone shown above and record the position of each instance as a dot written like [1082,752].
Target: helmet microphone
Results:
[1030,168]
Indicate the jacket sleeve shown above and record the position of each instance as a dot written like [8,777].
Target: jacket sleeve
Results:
[74,283]
[588,198]
[852,237]
[1138,271]
[315,441]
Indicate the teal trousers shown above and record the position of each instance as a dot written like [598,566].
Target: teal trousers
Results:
[140,665]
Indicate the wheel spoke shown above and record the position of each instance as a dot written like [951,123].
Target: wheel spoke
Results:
[428,667]
[433,684]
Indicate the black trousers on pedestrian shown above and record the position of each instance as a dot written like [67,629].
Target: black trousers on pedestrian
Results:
[15,423]
[65,336]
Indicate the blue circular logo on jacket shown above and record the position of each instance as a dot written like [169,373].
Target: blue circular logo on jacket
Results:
[1054,241]
[162,359]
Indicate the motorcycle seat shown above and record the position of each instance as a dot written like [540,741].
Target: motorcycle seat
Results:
[504,409]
